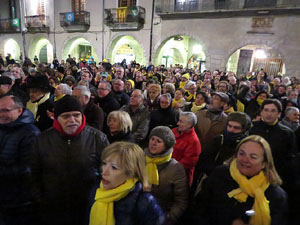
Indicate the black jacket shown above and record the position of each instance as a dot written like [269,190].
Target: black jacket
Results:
[108,103]
[120,136]
[94,115]
[122,97]
[213,206]
[15,148]
[66,174]
[138,208]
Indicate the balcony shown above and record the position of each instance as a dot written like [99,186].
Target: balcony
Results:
[185,9]
[37,23]
[75,21]
[10,25]
[125,18]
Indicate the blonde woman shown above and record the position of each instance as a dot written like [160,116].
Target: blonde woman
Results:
[246,191]
[121,198]
[120,127]
[153,94]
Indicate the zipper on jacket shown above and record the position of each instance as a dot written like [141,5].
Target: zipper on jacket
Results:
[69,141]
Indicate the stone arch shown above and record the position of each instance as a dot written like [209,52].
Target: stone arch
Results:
[266,44]
[123,38]
[71,46]
[10,45]
[195,40]
[37,44]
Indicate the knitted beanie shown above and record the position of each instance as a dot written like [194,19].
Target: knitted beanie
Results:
[186,75]
[5,80]
[66,104]
[131,82]
[241,118]
[164,133]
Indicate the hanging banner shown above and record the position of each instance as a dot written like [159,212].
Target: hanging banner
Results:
[121,14]
[69,17]
[134,11]
[15,22]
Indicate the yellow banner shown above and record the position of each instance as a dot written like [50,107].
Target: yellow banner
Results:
[122,14]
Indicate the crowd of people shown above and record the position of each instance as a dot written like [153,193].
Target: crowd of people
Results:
[101,144]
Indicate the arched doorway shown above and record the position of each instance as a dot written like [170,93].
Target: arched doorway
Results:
[252,58]
[80,48]
[12,47]
[126,47]
[183,50]
[43,49]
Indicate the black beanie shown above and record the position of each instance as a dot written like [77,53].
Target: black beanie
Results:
[164,133]
[66,104]
[5,80]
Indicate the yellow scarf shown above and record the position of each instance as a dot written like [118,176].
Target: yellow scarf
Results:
[273,124]
[259,101]
[33,106]
[102,212]
[151,167]
[240,106]
[174,102]
[59,97]
[254,187]
[181,84]
[196,108]
[229,110]
[190,96]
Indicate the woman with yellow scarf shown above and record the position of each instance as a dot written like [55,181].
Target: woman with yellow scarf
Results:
[245,192]
[121,199]
[166,175]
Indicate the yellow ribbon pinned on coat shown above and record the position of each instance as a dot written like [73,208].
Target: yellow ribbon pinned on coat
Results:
[102,212]
[254,187]
[151,167]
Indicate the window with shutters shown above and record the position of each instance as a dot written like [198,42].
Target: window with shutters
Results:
[125,3]
[78,5]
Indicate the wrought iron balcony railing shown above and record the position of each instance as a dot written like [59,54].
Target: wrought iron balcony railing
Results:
[37,23]
[75,21]
[125,18]
[10,25]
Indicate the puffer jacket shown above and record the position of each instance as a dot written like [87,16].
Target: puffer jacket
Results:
[138,208]
[140,122]
[66,173]
[15,148]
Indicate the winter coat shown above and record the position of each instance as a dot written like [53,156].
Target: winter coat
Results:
[42,120]
[172,191]
[138,208]
[94,115]
[66,174]
[207,128]
[140,122]
[212,206]
[120,136]
[283,145]
[164,117]
[122,97]
[15,148]
[108,103]
[187,150]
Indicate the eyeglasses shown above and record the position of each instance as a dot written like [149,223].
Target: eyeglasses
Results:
[8,110]
[102,89]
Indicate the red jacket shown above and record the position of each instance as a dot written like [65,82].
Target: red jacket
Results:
[187,150]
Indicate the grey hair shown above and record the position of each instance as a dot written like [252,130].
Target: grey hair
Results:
[167,95]
[170,87]
[66,89]
[84,90]
[108,85]
[291,109]
[9,74]
[141,93]
[192,118]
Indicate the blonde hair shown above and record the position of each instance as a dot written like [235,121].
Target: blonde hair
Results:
[131,159]
[125,121]
[269,170]
[156,88]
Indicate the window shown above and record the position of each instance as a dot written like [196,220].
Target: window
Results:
[125,3]
[78,5]
[186,5]
[260,3]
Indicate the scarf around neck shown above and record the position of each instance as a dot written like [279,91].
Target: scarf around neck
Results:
[174,102]
[196,108]
[56,125]
[254,187]
[33,106]
[152,162]
[102,212]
